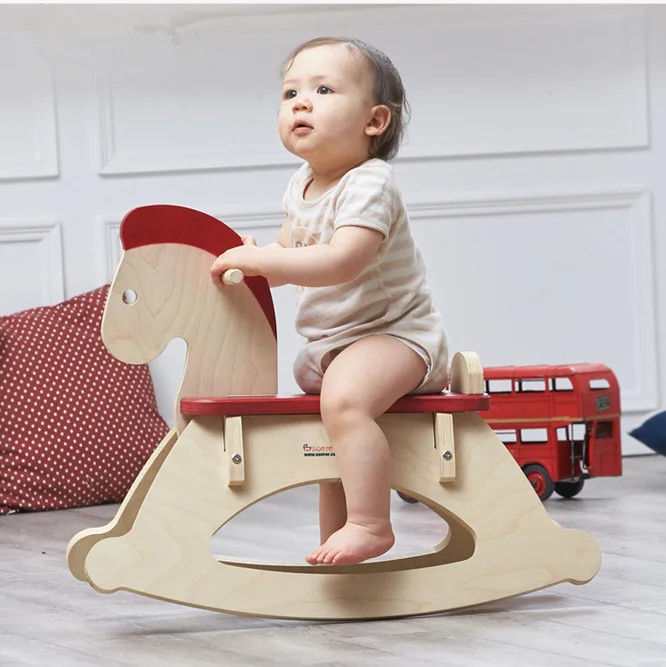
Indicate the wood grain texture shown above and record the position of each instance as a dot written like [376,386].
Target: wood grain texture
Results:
[166,554]
[231,348]
[501,543]
[445,444]
[233,449]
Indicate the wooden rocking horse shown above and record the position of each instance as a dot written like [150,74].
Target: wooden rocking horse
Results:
[235,442]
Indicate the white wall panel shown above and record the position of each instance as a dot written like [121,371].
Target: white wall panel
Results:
[173,104]
[549,278]
[177,109]
[31,271]
[28,144]
[505,80]
[109,248]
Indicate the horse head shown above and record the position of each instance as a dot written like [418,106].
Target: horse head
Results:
[162,290]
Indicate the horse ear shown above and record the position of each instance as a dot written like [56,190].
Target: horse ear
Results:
[166,223]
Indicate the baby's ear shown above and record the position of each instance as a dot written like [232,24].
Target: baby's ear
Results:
[379,121]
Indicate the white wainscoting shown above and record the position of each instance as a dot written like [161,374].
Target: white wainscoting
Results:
[28,143]
[514,273]
[31,269]
[176,106]
[488,97]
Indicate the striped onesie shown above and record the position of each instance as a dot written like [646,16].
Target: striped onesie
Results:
[390,296]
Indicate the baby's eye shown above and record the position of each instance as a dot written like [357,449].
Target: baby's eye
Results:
[324,90]
[289,94]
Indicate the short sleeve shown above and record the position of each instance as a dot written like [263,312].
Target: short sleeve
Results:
[367,199]
[285,200]
[294,180]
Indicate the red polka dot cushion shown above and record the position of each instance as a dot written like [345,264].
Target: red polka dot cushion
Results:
[76,425]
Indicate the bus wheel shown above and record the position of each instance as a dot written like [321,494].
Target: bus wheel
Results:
[406,498]
[569,489]
[540,480]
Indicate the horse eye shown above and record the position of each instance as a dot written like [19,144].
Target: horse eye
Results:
[129,297]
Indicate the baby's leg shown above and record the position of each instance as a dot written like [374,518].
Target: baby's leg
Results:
[361,383]
[332,505]
[332,509]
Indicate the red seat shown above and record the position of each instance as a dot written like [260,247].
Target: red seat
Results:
[308,404]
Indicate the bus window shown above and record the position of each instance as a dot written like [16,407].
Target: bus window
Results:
[604,430]
[531,385]
[498,386]
[561,384]
[577,431]
[532,436]
[600,383]
[507,436]
[571,432]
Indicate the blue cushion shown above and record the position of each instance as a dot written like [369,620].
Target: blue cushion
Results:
[652,433]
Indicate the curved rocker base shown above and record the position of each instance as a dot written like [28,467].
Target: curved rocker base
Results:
[501,541]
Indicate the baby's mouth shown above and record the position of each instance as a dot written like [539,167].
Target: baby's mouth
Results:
[301,125]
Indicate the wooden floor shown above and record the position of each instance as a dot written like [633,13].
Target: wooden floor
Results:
[619,619]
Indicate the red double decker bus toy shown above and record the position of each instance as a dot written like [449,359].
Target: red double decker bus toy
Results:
[561,423]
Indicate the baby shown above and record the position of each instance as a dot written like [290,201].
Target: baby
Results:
[365,310]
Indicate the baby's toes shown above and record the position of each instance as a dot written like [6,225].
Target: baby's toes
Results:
[313,558]
[331,556]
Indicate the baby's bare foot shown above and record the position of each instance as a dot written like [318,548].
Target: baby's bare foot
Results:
[352,544]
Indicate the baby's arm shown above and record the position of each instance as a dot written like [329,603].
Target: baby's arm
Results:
[364,212]
[284,241]
[348,252]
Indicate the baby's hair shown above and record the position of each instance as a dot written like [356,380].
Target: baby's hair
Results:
[387,89]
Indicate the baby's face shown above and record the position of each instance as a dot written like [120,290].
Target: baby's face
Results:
[326,104]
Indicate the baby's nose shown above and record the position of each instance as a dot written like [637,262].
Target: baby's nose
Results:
[302,103]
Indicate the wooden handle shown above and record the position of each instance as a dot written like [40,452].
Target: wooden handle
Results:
[233,277]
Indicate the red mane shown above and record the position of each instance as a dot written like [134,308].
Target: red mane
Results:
[151,225]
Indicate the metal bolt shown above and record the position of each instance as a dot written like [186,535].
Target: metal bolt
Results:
[236,458]
[447,455]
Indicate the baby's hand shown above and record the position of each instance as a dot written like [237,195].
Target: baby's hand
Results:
[245,258]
